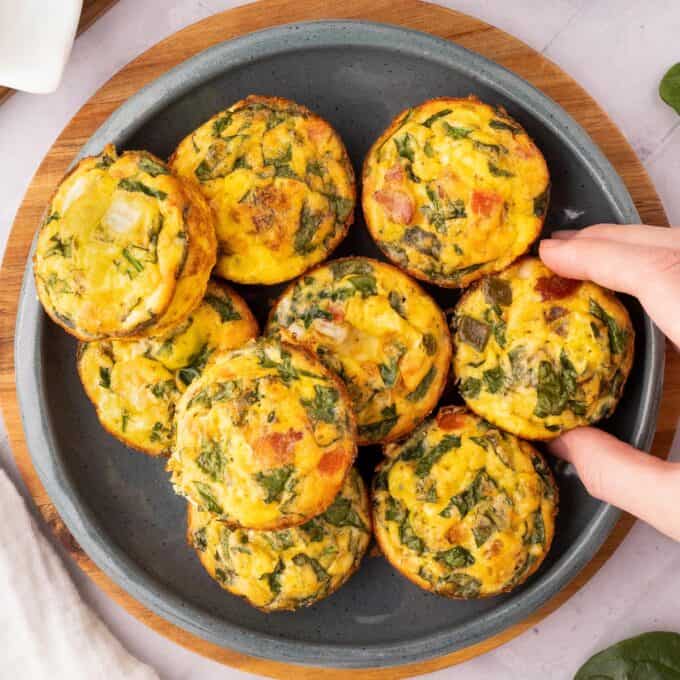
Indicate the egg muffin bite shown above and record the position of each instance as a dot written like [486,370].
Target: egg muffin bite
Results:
[379,331]
[265,437]
[463,509]
[280,182]
[454,189]
[288,568]
[125,248]
[537,354]
[135,384]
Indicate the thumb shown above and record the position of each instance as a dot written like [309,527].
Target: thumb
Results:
[623,476]
[649,272]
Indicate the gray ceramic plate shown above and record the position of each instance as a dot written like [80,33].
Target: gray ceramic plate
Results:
[118,503]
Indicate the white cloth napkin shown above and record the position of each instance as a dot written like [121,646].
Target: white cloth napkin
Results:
[46,631]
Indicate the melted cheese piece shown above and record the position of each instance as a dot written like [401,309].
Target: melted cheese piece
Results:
[463,509]
[265,437]
[555,355]
[288,568]
[383,335]
[280,182]
[126,248]
[135,384]
[454,189]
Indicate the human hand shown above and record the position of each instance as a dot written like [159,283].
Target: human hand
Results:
[645,262]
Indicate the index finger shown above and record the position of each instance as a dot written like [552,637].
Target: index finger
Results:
[651,274]
[638,234]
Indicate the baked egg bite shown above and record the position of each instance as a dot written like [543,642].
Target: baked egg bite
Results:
[288,568]
[135,384]
[379,331]
[280,182]
[125,248]
[454,189]
[265,437]
[463,509]
[537,354]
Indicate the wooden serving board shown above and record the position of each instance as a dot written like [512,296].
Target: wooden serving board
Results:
[466,31]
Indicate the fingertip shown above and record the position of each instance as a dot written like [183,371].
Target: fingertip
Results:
[564,234]
[560,448]
[549,251]
[568,445]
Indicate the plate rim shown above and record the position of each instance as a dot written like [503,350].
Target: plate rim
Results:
[173,84]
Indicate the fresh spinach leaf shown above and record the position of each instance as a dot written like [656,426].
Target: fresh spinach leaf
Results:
[650,656]
[669,88]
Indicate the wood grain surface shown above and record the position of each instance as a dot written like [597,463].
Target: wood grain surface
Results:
[466,31]
[92,10]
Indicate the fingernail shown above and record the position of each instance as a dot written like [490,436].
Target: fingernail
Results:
[559,448]
[564,234]
[549,243]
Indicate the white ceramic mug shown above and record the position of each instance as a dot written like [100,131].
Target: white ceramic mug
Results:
[36,37]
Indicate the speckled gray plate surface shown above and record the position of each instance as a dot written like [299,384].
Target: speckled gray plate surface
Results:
[118,503]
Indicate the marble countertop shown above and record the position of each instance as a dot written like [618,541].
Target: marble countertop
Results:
[618,50]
